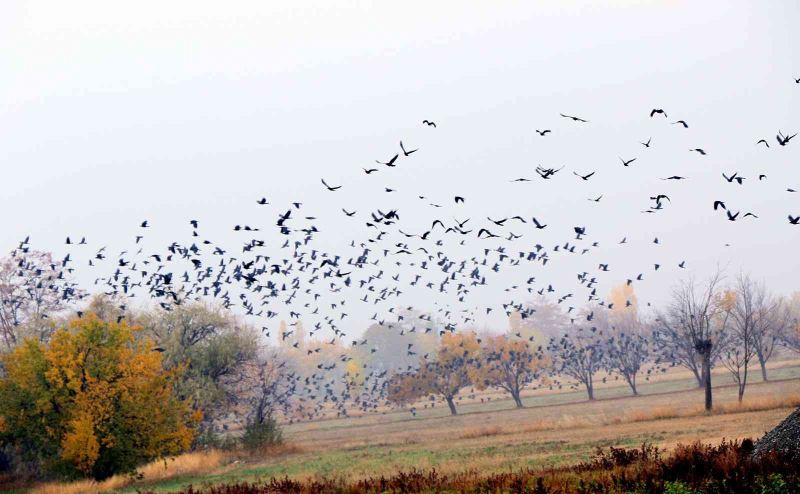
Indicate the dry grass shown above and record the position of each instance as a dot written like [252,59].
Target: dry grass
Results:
[186,464]
[662,412]
[753,405]
[475,432]
[546,433]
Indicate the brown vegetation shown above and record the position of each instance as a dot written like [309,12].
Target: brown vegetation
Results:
[696,468]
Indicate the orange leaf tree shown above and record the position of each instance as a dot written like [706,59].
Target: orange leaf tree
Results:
[509,364]
[445,376]
[95,401]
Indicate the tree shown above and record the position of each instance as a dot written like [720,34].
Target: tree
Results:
[95,401]
[628,346]
[579,356]
[744,315]
[267,391]
[540,317]
[404,388]
[626,354]
[33,288]
[444,376]
[508,364]
[693,330]
[213,349]
[773,322]
[790,336]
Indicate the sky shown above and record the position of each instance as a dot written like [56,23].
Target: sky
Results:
[112,113]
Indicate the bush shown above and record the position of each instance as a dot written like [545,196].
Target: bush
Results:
[727,468]
[258,435]
[106,403]
[678,488]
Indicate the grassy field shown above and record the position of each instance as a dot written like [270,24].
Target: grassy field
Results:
[554,429]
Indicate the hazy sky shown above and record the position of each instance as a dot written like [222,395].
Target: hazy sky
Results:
[114,113]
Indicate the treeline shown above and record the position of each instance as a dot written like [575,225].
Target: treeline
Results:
[92,386]
[707,324]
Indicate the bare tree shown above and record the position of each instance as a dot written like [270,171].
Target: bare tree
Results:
[628,349]
[772,322]
[579,356]
[790,336]
[270,388]
[693,330]
[745,308]
[33,288]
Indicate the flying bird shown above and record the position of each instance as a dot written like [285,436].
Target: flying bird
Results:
[657,110]
[574,119]
[407,153]
[390,162]
[543,132]
[784,140]
[429,123]
[628,162]
[329,187]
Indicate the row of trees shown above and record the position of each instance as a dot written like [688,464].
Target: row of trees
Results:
[61,354]
[464,360]
[705,325]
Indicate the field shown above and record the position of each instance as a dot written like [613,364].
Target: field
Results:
[555,429]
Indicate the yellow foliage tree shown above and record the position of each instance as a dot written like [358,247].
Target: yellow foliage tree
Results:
[96,400]
[509,364]
[624,299]
[446,375]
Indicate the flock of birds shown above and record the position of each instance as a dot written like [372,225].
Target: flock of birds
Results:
[293,280]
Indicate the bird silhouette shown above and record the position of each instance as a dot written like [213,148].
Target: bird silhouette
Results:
[573,118]
[390,162]
[329,187]
[407,153]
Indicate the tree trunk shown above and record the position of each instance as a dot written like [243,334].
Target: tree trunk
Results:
[632,383]
[701,379]
[763,365]
[707,374]
[452,405]
[517,400]
[590,390]
[743,384]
